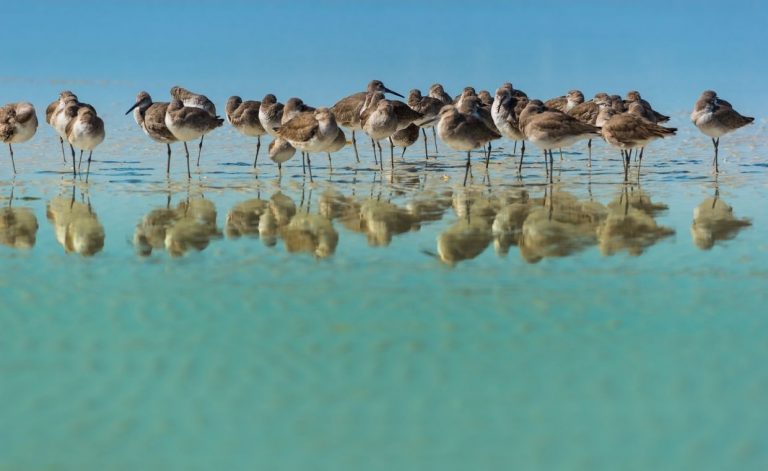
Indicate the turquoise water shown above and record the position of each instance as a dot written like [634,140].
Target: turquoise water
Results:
[390,320]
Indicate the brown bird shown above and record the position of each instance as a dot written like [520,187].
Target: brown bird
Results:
[85,131]
[195,100]
[716,117]
[587,112]
[54,108]
[18,123]
[566,102]
[244,117]
[188,122]
[150,116]
[463,132]
[429,107]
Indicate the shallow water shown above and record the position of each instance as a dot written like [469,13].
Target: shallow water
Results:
[384,320]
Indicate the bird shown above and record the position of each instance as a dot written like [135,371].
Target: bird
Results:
[405,117]
[347,110]
[311,131]
[716,117]
[336,145]
[628,131]
[293,107]
[429,107]
[378,120]
[280,151]
[244,117]
[549,129]
[150,116]
[587,112]
[505,113]
[436,91]
[566,102]
[406,137]
[270,114]
[54,108]
[18,123]
[471,104]
[651,115]
[463,132]
[188,122]
[85,131]
[195,100]
[61,116]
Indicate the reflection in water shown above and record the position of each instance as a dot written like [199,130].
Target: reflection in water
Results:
[464,240]
[18,227]
[713,221]
[311,233]
[76,226]
[559,226]
[630,224]
[190,226]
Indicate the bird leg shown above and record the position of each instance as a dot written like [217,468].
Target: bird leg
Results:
[488,156]
[63,155]
[426,152]
[391,153]
[168,165]
[258,146]
[514,148]
[200,149]
[522,153]
[434,136]
[309,166]
[186,150]
[88,169]
[330,163]
[13,164]
[589,147]
[402,156]
[373,144]
[466,170]
[354,146]
[716,142]
[381,156]
[74,169]
[303,166]
[561,154]
[80,161]
[552,164]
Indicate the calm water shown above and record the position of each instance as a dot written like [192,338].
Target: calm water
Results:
[391,320]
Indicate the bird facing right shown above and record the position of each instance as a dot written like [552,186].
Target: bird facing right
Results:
[715,117]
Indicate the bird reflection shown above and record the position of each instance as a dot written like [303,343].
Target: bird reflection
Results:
[630,224]
[18,226]
[76,226]
[560,225]
[713,222]
[190,226]
[312,233]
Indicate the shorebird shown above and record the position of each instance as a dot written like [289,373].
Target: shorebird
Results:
[244,117]
[466,93]
[649,113]
[406,137]
[293,107]
[62,116]
[429,107]
[335,146]
[54,108]
[715,117]
[463,132]
[188,122]
[485,98]
[270,114]
[566,102]
[310,132]
[195,100]
[378,120]
[548,129]
[627,131]
[587,112]
[405,117]
[18,123]
[150,116]
[505,113]
[85,131]
[436,91]
[280,151]
[347,110]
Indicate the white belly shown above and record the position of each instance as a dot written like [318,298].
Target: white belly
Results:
[83,138]
[182,133]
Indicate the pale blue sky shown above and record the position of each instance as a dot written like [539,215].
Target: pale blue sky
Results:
[670,51]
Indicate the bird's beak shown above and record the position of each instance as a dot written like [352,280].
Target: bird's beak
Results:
[386,90]
[132,107]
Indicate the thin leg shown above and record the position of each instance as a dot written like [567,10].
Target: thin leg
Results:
[258,146]
[186,150]
[354,146]
[561,154]
[13,164]
[309,166]
[63,155]
[716,142]
[200,149]
[279,168]
[330,163]
[488,156]
[74,169]
[373,144]
[522,153]
[88,169]
[381,156]
[391,153]
[589,148]
[80,160]
[426,152]
[168,165]
[303,166]
[514,148]
[552,164]
[466,170]
[402,156]
[434,136]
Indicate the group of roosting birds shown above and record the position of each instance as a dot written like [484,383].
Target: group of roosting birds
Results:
[467,122]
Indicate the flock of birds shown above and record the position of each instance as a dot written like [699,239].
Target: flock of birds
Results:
[467,122]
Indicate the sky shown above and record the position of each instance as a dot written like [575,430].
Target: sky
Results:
[322,51]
